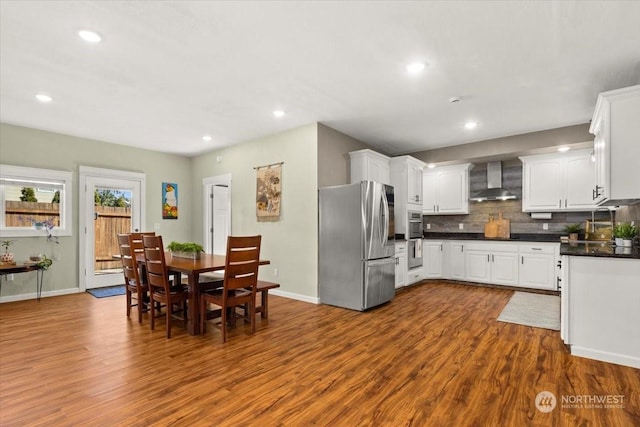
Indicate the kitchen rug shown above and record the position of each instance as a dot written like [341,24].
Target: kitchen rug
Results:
[107,292]
[537,310]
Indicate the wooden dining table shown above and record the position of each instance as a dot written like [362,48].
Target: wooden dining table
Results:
[192,268]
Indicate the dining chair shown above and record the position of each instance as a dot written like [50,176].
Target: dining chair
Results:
[161,289]
[239,283]
[130,253]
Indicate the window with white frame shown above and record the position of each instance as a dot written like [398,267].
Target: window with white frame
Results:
[35,202]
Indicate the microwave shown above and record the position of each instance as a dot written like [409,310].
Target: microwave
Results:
[415,225]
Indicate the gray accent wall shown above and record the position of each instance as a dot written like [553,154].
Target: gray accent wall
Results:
[509,147]
[333,156]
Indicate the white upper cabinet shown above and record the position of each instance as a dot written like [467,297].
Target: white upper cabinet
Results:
[445,190]
[406,178]
[558,182]
[616,126]
[367,165]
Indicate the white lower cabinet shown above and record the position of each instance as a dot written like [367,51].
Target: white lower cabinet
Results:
[455,256]
[538,266]
[432,258]
[524,264]
[401,264]
[492,263]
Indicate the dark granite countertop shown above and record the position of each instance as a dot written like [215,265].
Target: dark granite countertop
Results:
[596,249]
[521,237]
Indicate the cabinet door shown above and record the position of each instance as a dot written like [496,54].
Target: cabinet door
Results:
[538,271]
[432,258]
[456,261]
[429,190]
[600,150]
[580,173]
[379,170]
[451,194]
[401,271]
[543,185]
[504,268]
[414,192]
[477,266]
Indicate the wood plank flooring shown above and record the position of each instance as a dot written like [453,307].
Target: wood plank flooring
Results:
[434,356]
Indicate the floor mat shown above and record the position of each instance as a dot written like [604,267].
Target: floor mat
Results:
[537,310]
[107,292]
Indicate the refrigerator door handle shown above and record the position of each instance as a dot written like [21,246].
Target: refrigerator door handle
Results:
[385,218]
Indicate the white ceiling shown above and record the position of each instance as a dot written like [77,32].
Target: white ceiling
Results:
[166,73]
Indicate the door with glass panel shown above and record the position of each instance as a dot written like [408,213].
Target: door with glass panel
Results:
[111,206]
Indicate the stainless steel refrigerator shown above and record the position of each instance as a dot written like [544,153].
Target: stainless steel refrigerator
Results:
[356,266]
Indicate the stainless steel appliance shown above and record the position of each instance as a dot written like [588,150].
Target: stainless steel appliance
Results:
[414,253]
[356,267]
[415,225]
[414,247]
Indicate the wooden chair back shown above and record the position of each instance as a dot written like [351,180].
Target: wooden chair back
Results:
[157,276]
[136,242]
[129,261]
[240,282]
[241,264]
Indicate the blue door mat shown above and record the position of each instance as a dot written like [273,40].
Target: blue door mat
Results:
[107,292]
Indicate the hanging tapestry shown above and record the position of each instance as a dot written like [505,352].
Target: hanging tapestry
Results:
[169,200]
[268,192]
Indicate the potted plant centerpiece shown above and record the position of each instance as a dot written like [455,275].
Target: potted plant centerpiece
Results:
[624,233]
[7,257]
[573,230]
[185,250]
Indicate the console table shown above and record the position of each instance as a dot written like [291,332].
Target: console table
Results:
[23,268]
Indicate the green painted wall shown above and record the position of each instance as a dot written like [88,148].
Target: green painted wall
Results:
[22,146]
[290,243]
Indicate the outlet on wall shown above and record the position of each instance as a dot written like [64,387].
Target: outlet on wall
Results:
[428,226]
[461,226]
[275,272]
[545,226]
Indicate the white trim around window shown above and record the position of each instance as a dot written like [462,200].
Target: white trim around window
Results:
[37,177]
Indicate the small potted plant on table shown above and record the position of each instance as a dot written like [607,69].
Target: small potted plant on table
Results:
[7,257]
[573,230]
[185,250]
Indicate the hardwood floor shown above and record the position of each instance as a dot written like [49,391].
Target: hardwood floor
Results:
[434,356]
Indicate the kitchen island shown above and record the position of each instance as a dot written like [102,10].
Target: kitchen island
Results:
[601,302]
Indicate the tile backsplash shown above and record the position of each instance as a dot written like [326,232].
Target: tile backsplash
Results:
[521,222]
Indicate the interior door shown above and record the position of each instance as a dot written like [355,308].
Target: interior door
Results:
[111,203]
[217,213]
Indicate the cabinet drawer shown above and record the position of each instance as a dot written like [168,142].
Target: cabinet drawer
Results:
[538,249]
[492,247]
[401,248]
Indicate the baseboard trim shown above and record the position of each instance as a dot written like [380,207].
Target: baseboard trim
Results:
[45,294]
[604,356]
[299,297]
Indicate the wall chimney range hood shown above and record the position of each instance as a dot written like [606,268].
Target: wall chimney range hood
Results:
[494,189]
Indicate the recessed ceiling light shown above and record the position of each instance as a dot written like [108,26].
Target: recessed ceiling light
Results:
[431,166]
[470,125]
[89,36]
[43,98]
[563,149]
[415,67]
[206,138]
[278,113]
